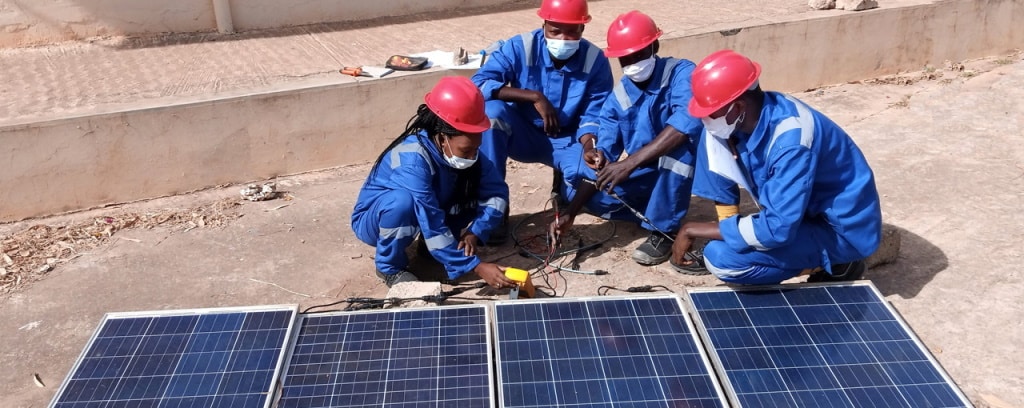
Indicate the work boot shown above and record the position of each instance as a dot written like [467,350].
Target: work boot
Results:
[697,265]
[396,278]
[841,273]
[655,250]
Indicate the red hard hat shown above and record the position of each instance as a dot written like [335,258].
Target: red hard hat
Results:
[629,33]
[565,11]
[719,79]
[457,101]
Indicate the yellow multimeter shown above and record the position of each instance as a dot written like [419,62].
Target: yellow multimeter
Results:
[522,280]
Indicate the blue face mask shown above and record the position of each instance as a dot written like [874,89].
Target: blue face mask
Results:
[562,49]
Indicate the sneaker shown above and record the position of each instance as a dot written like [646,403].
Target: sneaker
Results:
[696,267]
[655,250]
[396,278]
[841,273]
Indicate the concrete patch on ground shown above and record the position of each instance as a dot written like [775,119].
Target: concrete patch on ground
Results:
[414,290]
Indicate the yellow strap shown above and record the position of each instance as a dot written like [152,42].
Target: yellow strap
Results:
[726,211]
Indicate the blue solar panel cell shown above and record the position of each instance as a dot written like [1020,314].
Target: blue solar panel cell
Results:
[197,358]
[600,353]
[818,346]
[419,357]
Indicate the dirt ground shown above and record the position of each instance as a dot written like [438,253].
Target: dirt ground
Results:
[944,144]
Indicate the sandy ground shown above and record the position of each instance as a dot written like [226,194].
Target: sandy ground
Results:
[944,144]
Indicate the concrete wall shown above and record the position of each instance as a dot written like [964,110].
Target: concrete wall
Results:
[840,46]
[115,157]
[33,22]
[76,163]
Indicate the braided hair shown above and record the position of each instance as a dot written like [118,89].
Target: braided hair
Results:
[424,119]
[467,182]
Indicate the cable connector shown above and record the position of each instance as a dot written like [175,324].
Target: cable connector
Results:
[434,298]
[640,289]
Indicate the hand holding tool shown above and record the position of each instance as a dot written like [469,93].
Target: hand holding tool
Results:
[635,212]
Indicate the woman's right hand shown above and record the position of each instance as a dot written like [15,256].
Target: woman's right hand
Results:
[494,275]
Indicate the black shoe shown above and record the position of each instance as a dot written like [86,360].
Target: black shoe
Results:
[396,278]
[696,267]
[655,250]
[841,273]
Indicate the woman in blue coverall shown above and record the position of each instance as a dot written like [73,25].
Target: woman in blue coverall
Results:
[434,180]
[819,208]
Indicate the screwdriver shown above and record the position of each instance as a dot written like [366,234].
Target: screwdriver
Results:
[355,71]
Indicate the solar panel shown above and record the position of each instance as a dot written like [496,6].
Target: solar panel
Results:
[818,346]
[601,352]
[424,357]
[225,357]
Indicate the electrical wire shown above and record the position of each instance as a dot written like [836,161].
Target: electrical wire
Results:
[604,289]
[545,258]
[363,303]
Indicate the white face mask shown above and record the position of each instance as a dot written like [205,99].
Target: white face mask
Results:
[720,127]
[640,71]
[562,49]
[457,162]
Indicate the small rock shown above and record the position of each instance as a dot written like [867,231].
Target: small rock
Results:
[822,4]
[889,250]
[45,268]
[856,5]
[3,271]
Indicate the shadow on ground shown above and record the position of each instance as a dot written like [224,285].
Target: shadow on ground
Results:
[916,265]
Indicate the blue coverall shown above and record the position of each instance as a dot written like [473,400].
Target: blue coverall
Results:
[630,119]
[576,91]
[410,191]
[819,205]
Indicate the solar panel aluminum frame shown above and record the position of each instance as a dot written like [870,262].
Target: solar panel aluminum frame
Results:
[294,308]
[708,365]
[293,341]
[710,348]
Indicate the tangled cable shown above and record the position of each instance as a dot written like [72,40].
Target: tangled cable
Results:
[364,303]
[552,260]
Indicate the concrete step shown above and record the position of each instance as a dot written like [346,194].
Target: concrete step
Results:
[120,120]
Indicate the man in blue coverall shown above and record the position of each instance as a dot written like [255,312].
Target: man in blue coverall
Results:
[645,117]
[434,180]
[544,90]
[819,209]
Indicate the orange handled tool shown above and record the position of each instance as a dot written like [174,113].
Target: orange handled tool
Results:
[355,71]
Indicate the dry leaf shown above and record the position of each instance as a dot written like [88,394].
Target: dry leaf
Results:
[38,380]
[8,260]
[3,271]
[25,253]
